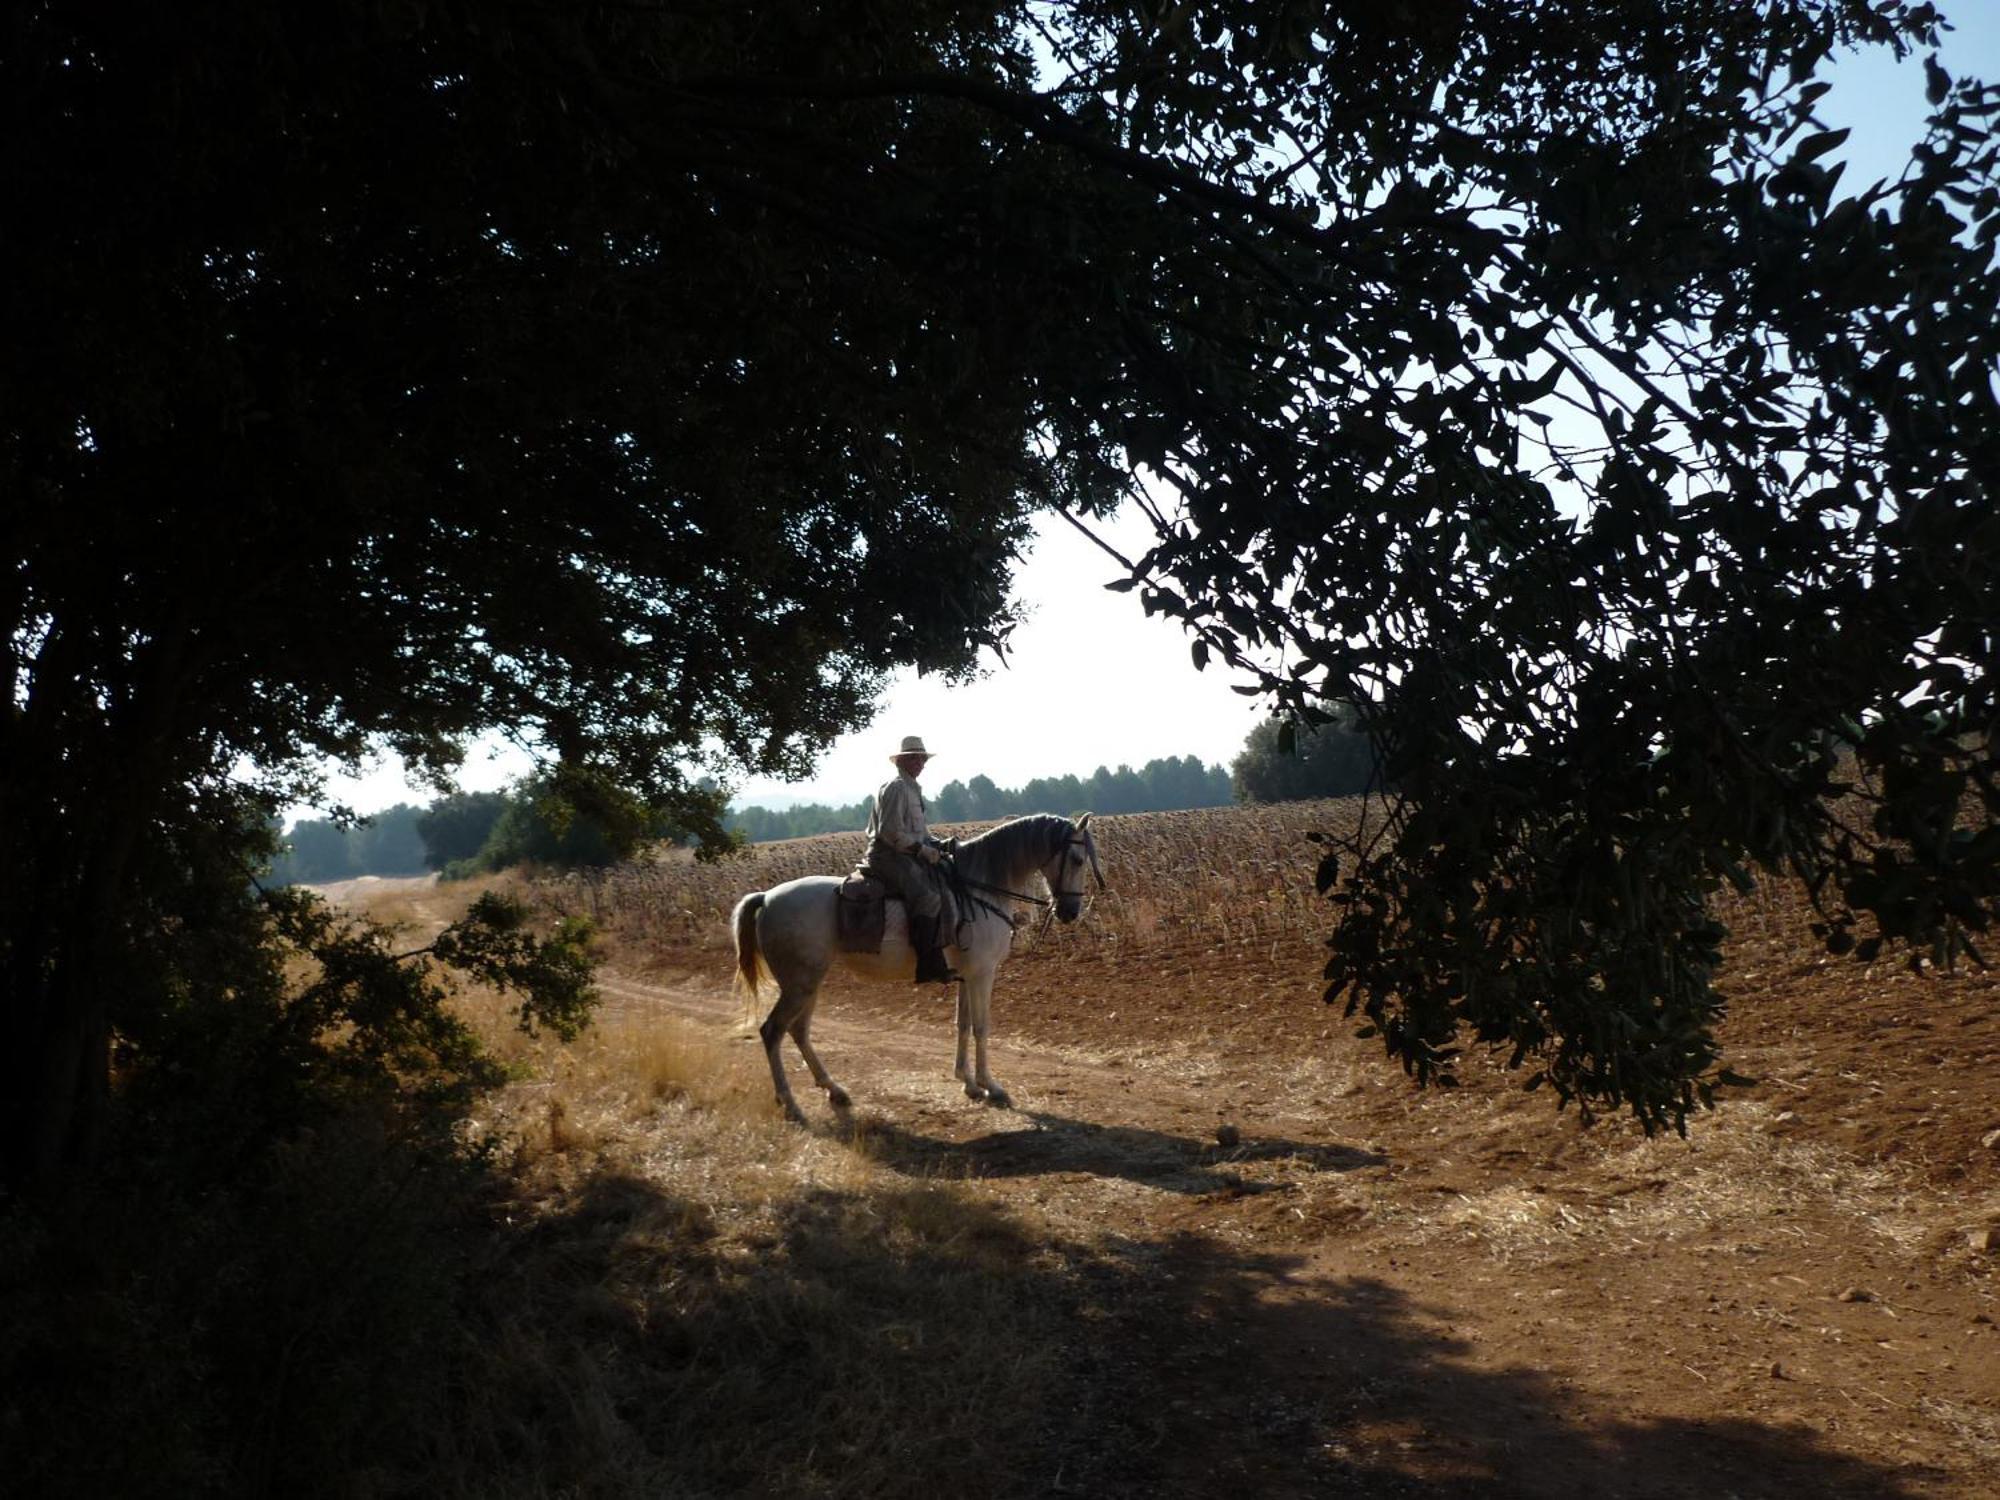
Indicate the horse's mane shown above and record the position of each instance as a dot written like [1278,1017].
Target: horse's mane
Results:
[1011,848]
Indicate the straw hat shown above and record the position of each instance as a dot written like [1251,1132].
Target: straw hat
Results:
[913,744]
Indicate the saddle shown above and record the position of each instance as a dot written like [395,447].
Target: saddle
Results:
[861,911]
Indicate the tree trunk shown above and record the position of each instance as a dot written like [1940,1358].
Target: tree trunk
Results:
[58,1074]
[83,789]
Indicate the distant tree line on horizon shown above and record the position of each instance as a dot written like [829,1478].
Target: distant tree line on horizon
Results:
[1158,786]
[538,822]
[542,820]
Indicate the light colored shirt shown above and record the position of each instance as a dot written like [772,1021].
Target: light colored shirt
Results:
[897,820]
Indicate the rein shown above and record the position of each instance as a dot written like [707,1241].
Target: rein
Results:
[1001,890]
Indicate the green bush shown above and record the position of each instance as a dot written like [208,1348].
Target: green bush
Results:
[259,1290]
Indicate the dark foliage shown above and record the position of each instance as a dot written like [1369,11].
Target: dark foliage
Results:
[647,380]
[456,827]
[573,818]
[385,373]
[757,825]
[249,1293]
[1283,763]
[1620,463]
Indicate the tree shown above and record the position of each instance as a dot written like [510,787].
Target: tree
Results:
[983,799]
[570,818]
[455,828]
[951,803]
[1281,763]
[1064,794]
[647,381]
[528,388]
[317,850]
[388,842]
[1113,791]
[1635,481]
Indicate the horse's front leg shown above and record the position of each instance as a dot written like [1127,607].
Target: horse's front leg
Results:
[959,1069]
[982,1084]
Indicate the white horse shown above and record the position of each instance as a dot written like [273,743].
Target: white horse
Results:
[789,930]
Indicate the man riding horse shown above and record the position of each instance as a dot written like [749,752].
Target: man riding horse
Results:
[904,856]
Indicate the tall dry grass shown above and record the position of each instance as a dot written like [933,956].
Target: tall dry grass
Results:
[679,1294]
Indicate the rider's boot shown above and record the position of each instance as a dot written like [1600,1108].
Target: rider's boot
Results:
[931,967]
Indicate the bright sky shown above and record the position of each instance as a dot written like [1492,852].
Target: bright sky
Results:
[1091,680]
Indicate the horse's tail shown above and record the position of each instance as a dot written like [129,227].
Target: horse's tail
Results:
[748,957]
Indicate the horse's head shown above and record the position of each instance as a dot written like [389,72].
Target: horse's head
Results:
[1064,868]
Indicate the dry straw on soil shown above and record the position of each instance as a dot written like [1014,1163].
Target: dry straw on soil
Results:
[702,1299]
[705,1300]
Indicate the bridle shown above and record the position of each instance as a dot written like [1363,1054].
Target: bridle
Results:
[1076,837]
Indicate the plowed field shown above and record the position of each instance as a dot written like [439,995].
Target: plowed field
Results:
[1312,1280]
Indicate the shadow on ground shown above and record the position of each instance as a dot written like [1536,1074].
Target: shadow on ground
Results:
[1206,1369]
[1265,1382]
[912,1338]
[1052,1143]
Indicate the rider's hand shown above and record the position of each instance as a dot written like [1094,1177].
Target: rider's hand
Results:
[928,853]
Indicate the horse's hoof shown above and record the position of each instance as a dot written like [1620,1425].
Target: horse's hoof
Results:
[837,1097]
[998,1097]
[973,1090]
[792,1112]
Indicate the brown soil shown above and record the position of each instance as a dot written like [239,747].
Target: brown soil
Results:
[1342,1286]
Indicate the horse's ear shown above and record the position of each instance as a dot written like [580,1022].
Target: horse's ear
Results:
[1083,822]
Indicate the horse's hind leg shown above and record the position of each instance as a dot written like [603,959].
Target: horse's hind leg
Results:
[792,1009]
[801,1030]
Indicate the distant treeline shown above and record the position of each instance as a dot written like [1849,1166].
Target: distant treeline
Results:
[1158,786]
[318,849]
[541,822]
[458,835]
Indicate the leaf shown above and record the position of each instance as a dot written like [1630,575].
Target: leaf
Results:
[1820,143]
[1937,82]
[1541,385]
[1327,873]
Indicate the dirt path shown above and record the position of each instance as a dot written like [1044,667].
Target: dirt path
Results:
[1340,1287]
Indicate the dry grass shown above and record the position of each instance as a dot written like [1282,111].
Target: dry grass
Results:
[691,1297]
[728,1305]
[1735,1182]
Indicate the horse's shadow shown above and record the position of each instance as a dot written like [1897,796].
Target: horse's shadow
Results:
[1054,1144]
